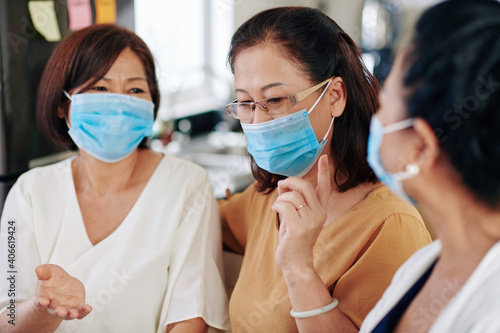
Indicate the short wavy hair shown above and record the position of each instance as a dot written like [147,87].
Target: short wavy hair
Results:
[85,55]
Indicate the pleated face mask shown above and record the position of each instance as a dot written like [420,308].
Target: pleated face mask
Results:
[286,146]
[392,180]
[109,126]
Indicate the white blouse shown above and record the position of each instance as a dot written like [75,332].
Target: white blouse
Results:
[475,308]
[163,264]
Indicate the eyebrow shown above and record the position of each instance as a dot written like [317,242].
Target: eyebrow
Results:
[266,87]
[129,79]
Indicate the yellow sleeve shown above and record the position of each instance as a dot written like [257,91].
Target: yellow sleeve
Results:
[234,212]
[360,288]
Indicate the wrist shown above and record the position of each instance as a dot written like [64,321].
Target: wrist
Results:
[303,274]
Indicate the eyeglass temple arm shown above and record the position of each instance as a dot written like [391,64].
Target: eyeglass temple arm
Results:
[303,94]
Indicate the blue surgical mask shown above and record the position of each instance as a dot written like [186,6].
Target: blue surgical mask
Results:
[392,180]
[109,126]
[286,146]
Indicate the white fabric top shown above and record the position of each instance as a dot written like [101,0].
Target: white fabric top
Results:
[474,309]
[163,264]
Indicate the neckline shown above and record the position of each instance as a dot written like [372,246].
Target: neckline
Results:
[82,230]
[393,317]
[466,290]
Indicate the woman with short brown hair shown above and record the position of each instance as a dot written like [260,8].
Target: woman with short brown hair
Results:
[118,236]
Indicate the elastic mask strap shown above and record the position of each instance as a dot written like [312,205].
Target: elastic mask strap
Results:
[67,95]
[321,96]
[400,125]
[329,129]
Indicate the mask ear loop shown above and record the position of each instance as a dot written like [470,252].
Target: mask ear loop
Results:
[66,118]
[320,97]
[412,169]
[314,105]
[67,95]
[329,129]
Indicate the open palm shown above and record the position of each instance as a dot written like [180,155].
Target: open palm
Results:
[60,293]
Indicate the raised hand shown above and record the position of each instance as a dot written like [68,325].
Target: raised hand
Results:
[59,293]
[302,211]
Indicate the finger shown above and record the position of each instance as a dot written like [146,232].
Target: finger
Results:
[302,186]
[283,184]
[293,197]
[59,310]
[41,301]
[73,313]
[323,188]
[287,211]
[44,272]
[85,311]
[282,230]
[282,188]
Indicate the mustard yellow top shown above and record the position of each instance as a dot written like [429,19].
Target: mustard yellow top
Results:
[356,255]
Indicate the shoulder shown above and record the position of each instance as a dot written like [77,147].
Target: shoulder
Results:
[478,298]
[383,213]
[386,209]
[174,170]
[250,197]
[178,166]
[45,177]
[38,187]
[387,204]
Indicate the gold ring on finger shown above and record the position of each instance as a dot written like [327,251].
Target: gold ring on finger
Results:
[304,204]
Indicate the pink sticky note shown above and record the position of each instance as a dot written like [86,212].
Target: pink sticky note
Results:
[80,14]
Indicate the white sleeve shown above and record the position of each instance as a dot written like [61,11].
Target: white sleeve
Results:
[18,249]
[196,287]
[487,323]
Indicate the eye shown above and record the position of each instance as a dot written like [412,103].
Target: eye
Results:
[244,106]
[136,91]
[99,88]
[275,101]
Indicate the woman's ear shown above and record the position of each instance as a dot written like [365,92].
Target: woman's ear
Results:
[428,146]
[337,94]
[63,108]
[61,112]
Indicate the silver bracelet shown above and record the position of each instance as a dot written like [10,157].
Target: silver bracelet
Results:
[315,312]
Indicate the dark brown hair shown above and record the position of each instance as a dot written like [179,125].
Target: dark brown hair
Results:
[85,55]
[322,50]
[452,75]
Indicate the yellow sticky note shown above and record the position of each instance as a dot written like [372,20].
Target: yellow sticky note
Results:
[105,11]
[44,19]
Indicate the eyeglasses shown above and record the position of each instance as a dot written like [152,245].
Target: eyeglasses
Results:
[274,106]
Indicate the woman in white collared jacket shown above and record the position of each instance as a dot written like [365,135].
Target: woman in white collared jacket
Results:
[436,141]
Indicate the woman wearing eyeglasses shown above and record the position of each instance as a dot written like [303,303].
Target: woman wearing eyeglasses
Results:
[303,92]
